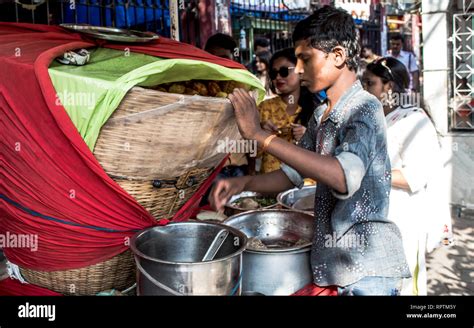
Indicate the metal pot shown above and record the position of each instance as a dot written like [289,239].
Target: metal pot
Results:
[233,210]
[277,270]
[298,199]
[169,260]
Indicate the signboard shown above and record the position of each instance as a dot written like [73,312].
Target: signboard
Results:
[359,9]
[297,4]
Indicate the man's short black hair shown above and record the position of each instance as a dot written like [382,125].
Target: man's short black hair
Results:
[220,40]
[261,42]
[327,28]
[396,36]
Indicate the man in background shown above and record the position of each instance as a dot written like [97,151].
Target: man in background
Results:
[368,55]
[222,45]
[407,58]
[261,45]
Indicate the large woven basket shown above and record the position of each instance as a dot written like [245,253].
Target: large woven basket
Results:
[159,147]
[117,273]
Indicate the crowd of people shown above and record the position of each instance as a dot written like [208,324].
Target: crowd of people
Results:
[360,130]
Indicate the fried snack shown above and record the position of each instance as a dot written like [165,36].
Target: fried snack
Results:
[160,88]
[213,88]
[241,85]
[229,86]
[177,88]
[221,95]
[200,87]
[189,91]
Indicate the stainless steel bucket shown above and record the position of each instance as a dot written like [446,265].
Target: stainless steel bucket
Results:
[169,260]
[275,271]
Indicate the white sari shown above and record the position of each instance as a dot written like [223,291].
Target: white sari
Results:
[422,214]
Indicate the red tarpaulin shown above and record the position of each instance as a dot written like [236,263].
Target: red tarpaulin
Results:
[51,184]
[11,287]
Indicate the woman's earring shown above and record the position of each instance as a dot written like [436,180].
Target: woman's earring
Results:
[390,98]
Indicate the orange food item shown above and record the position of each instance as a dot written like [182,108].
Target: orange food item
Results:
[221,95]
[177,88]
[201,88]
[213,88]
[189,91]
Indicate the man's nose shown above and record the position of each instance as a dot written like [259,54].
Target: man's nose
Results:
[299,68]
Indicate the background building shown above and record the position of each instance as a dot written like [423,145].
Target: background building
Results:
[439,32]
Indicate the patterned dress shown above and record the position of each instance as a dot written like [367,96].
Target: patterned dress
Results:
[274,109]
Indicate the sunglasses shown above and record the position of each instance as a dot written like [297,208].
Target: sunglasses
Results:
[283,71]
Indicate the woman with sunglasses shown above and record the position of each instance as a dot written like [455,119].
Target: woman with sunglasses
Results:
[288,113]
[416,204]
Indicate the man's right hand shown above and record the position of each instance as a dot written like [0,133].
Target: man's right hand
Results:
[224,189]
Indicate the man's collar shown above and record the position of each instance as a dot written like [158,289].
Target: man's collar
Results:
[337,113]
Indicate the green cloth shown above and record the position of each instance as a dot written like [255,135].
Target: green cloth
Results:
[92,92]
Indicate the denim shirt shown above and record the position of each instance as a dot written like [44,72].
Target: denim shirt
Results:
[353,237]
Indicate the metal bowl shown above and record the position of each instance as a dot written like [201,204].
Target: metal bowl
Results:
[278,229]
[233,210]
[275,271]
[298,199]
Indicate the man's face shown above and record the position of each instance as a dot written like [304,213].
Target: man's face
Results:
[396,46]
[316,68]
[260,49]
[221,52]
[366,53]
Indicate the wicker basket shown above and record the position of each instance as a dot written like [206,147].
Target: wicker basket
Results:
[163,198]
[116,273]
[159,147]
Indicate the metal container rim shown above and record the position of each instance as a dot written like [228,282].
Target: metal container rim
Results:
[236,232]
[287,250]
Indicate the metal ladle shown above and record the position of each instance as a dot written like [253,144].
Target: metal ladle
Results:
[215,245]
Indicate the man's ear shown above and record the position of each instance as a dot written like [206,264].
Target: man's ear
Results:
[339,56]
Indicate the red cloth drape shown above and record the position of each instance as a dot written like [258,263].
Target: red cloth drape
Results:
[315,290]
[12,287]
[51,185]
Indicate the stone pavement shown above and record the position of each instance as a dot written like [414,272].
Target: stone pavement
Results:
[451,269]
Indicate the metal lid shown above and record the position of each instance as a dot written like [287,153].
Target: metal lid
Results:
[112,33]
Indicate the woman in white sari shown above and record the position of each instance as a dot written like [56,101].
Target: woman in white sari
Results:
[417,201]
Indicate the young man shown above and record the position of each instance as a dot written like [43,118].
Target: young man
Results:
[368,55]
[354,247]
[407,58]
[221,45]
[262,44]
